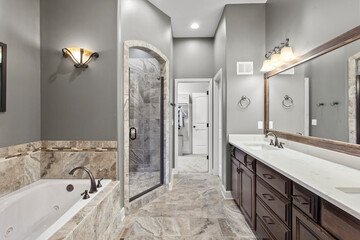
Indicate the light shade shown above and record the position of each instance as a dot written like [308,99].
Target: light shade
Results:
[276,60]
[267,67]
[81,57]
[287,54]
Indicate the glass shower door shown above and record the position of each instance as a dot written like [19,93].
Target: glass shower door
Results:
[146,128]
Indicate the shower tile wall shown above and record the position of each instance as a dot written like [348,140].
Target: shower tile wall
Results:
[145,94]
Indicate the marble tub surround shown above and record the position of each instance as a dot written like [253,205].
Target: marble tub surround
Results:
[97,220]
[19,166]
[194,209]
[319,175]
[58,158]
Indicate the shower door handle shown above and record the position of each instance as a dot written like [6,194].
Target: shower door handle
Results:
[132,133]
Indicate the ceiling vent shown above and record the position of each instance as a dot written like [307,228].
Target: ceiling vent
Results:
[245,68]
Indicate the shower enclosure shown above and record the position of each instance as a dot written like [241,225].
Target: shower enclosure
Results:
[146,132]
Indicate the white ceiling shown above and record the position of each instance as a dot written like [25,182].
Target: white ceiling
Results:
[206,13]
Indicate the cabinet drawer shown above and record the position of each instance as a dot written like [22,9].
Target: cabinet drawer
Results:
[275,226]
[240,155]
[306,201]
[339,223]
[275,201]
[261,232]
[250,163]
[275,179]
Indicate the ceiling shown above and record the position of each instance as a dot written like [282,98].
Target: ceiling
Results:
[206,13]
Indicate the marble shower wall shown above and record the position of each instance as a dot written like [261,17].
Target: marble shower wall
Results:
[145,97]
[19,166]
[23,164]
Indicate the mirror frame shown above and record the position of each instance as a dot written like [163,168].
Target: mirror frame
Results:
[3,78]
[343,147]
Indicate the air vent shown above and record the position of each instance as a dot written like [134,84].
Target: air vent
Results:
[245,68]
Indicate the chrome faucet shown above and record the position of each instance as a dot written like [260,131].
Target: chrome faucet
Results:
[93,187]
[276,144]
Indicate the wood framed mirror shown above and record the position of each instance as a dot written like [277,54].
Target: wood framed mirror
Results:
[3,52]
[322,94]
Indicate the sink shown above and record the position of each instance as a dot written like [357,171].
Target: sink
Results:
[261,147]
[349,190]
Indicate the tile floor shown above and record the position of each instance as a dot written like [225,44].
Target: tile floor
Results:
[142,181]
[193,163]
[194,209]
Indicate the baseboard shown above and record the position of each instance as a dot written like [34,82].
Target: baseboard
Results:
[122,214]
[226,194]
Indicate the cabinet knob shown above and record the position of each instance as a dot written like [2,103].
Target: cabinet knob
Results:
[268,176]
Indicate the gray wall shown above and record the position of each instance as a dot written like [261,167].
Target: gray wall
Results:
[309,23]
[20,30]
[245,41]
[78,104]
[193,58]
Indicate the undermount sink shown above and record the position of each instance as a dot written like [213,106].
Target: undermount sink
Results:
[261,147]
[349,190]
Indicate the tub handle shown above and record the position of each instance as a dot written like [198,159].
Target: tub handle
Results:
[99,183]
[86,194]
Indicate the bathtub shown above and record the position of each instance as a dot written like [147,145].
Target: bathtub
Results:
[38,210]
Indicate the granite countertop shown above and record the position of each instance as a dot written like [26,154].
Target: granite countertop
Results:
[318,175]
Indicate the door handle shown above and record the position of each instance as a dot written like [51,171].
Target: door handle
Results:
[194,126]
[132,133]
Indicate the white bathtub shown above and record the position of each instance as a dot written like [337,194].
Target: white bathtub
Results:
[37,211]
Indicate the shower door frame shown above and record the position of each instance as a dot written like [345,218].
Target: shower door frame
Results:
[161,145]
[165,147]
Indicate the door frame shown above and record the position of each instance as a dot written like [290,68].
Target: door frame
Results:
[218,125]
[176,131]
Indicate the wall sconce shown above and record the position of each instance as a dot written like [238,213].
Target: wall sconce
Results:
[81,57]
[278,56]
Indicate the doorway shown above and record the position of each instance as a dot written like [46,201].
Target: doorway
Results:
[193,126]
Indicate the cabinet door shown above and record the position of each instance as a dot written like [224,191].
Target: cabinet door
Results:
[247,194]
[305,229]
[235,179]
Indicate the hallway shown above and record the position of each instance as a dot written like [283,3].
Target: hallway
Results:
[194,209]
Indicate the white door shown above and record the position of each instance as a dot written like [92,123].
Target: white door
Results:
[200,121]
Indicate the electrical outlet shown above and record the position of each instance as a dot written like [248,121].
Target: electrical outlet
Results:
[271,125]
[260,125]
[314,122]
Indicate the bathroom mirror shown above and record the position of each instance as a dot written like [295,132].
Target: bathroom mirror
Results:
[315,99]
[2,77]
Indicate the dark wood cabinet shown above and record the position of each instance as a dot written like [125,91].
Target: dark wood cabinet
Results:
[276,202]
[304,228]
[247,195]
[243,184]
[235,180]
[306,201]
[279,209]
[338,223]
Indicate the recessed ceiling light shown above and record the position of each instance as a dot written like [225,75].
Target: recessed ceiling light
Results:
[194,26]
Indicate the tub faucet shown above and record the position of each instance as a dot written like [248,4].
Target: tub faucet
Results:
[93,188]
[275,137]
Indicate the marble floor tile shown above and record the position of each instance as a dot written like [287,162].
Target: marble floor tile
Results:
[193,210]
[193,164]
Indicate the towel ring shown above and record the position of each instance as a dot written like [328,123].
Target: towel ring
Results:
[288,102]
[244,102]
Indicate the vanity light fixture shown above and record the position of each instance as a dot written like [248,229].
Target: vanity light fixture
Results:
[278,56]
[194,26]
[81,57]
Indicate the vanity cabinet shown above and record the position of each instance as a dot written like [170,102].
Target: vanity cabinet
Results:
[243,183]
[340,224]
[247,194]
[280,209]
